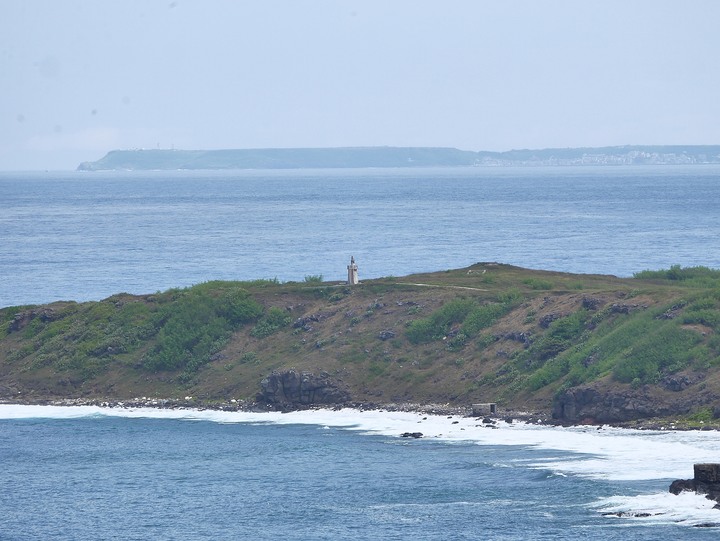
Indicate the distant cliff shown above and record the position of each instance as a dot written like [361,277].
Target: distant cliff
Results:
[358,157]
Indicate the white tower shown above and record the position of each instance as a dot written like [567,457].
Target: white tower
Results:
[352,272]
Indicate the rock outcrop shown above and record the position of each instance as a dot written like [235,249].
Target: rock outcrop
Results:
[598,404]
[588,404]
[290,388]
[706,481]
[22,319]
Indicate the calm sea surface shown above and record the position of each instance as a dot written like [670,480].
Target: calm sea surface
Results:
[86,236]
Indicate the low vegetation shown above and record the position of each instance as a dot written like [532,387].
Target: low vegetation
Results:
[489,332]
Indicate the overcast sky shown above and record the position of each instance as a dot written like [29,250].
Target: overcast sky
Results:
[81,77]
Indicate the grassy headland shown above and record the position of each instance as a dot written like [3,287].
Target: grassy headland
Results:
[586,347]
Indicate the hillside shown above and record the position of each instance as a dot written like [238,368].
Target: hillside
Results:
[587,348]
[358,157]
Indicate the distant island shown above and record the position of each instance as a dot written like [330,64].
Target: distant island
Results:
[359,157]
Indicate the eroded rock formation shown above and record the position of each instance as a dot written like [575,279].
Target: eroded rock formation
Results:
[291,388]
[706,481]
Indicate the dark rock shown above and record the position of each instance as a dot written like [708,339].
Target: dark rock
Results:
[706,482]
[590,405]
[517,336]
[625,514]
[305,322]
[292,389]
[22,319]
[682,485]
[625,308]
[547,319]
[676,383]
[672,313]
[591,303]
[415,435]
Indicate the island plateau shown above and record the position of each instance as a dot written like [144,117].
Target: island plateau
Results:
[578,348]
[358,157]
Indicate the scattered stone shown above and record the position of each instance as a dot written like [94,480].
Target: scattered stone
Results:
[676,383]
[631,514]
[415,435]
[386,335]
[22,319]
[547,319]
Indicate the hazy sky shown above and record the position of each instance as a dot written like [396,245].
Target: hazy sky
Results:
[81,77]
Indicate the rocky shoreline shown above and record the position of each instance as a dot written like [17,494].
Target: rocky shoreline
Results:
[194,403]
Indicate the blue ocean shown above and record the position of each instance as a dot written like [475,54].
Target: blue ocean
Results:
[86,473]
[86,236]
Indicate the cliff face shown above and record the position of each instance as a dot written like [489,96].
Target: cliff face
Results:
[586,348]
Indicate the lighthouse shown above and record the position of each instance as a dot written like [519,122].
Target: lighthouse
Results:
[352,272]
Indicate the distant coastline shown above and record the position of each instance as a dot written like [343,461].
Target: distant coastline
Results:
[360,157]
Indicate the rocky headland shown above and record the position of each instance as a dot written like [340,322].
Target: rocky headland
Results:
[569,349]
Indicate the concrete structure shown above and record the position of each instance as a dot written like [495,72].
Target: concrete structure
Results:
[479,410]
[352,278]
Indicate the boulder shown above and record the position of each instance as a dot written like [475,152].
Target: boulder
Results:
[291,388]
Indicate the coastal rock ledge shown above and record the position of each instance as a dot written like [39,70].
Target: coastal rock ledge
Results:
[291,389]
[706,481]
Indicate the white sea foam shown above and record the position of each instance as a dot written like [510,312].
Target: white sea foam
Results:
[687,508]
[611,454]
[607,453]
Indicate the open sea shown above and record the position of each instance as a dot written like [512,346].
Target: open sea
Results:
[89,473]
[85,236]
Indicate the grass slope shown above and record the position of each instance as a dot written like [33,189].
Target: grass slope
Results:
[489,332]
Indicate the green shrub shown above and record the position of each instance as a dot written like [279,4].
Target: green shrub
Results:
[249,357]
[693,276]
[274,320]
[538,284]
[238,307]
[664,351]
[437,324]
[561,334]
[709,318]
[510,296]
[313,278]
[482,317]
[197,325]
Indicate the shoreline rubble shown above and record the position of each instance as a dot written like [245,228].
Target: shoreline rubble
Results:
[239,405]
